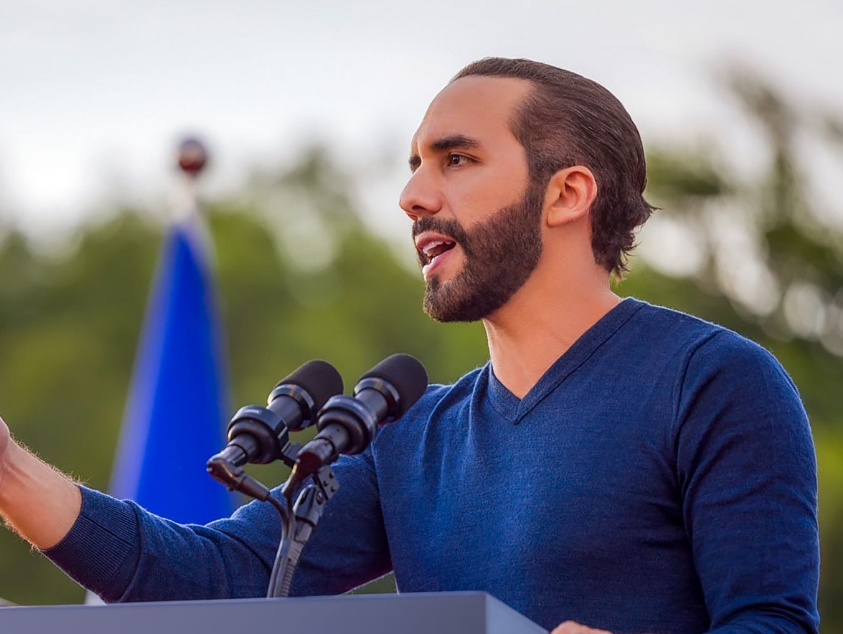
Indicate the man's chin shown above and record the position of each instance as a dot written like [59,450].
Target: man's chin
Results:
[439,307]
[446,317]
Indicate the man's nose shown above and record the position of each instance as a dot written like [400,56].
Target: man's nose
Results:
[421,197]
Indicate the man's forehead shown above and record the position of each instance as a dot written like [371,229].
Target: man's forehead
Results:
[473,106]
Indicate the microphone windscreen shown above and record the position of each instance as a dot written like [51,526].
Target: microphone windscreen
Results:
[406,374]
[319,379]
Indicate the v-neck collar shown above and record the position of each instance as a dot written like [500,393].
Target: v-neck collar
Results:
[514,409]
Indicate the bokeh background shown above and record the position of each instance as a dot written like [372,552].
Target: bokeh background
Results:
[308,109]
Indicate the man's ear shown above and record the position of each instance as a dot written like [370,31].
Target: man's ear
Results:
[569,195]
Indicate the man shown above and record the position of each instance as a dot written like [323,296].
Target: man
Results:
[616,464]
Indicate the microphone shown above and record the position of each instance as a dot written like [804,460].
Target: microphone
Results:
[259,434]
[348,424]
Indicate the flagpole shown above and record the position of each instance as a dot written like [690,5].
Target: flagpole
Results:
[192,159]
[178,399]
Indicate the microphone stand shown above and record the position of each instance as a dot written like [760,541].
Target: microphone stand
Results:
[296,526]
[307,511]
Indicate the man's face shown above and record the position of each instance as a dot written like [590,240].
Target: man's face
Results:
[477,218]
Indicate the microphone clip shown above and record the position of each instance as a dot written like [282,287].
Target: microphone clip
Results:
[226,469]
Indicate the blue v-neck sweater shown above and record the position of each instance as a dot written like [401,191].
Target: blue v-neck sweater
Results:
[660,477]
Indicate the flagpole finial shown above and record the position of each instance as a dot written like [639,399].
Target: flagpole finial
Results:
[192,157]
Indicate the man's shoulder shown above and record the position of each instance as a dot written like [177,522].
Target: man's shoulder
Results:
[674,323]
[698,350]
[739,362]
[704,339]
[710,359]
[436,399]
[687,335]
[439,395]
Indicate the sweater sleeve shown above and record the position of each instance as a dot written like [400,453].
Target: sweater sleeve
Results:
[746,468]
[124,553]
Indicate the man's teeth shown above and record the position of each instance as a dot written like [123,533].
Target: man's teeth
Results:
[430,246]
[434,250]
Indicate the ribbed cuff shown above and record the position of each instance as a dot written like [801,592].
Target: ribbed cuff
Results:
[102,549]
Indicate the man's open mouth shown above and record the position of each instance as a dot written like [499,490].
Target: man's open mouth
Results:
[432,249]
[435,248]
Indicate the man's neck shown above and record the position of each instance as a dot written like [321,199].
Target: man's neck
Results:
[537,326]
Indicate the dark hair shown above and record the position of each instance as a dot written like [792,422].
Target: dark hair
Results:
[570,120]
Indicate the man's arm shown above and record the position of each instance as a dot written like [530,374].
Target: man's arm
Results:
[124,553]
[746,469]
[36,500]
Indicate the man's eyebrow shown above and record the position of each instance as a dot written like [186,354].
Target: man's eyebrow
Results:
[452,142]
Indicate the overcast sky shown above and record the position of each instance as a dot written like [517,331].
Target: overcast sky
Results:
[94,93]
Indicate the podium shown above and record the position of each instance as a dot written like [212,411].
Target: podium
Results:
[439,613]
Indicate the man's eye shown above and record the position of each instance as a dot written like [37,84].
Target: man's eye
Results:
[455,160]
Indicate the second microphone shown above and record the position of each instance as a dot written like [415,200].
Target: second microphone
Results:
[348,424]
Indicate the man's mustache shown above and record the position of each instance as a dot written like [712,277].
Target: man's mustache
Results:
[447,227]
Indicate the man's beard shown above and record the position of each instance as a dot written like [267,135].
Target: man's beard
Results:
[500,254]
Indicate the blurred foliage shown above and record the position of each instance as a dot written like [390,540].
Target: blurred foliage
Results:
[301,277]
